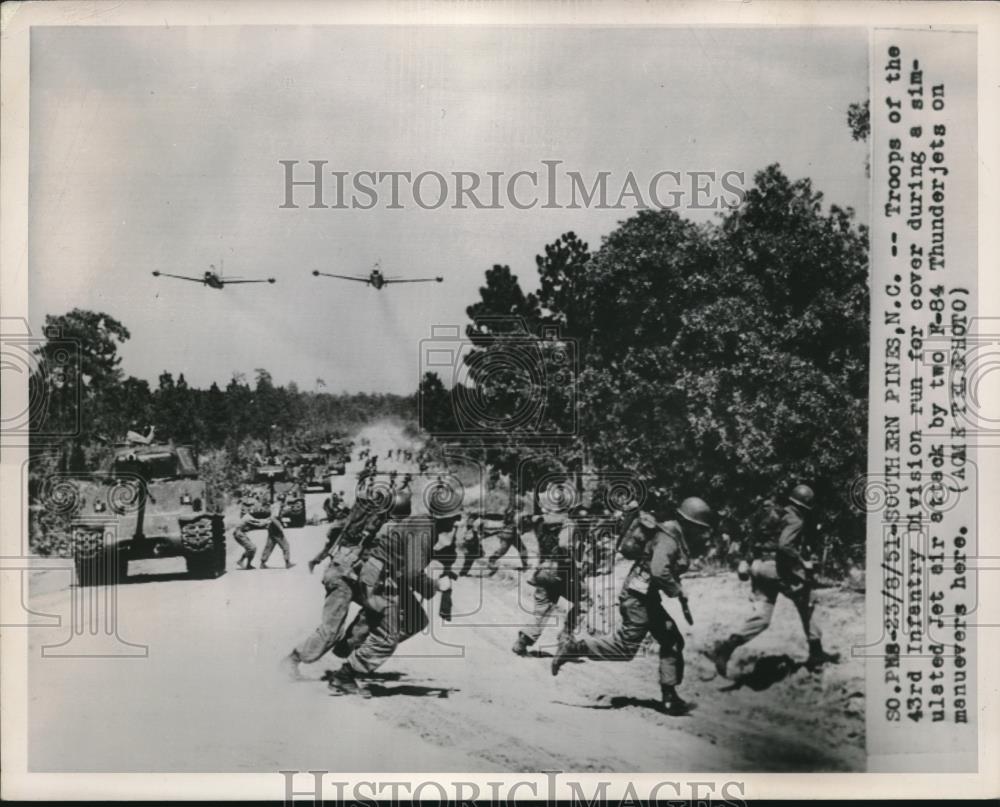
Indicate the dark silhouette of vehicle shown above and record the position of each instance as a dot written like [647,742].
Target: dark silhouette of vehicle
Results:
[149,503]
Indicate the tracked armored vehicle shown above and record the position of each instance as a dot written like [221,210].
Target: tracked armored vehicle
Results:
[149,503]
[314,471]
[336,455]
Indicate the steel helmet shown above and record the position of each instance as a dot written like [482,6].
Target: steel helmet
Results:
[696,511]
[803,496]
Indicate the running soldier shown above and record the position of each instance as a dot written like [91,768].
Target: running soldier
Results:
[276,535]
[392,584]
[337,515]
[558,575]
[780,566]
[661,555]
[510,536]
[340,580]
[472,543]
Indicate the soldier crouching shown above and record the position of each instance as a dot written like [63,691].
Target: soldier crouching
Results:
[344,547]
[393,583]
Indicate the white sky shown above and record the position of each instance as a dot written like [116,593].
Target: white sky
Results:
[158,148]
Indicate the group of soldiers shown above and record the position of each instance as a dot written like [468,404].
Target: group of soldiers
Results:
[379,556]
[259,516]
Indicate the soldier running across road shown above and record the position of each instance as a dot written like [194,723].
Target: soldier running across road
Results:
[472,543]
[340,580]
[558,576]
[510,536]
[392,585]
[337,515]
[660,553]
[780,566]
[276,535]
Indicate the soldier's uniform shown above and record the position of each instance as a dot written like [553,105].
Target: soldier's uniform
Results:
[472,544]
[510,536]
[392,585]
[340,584]
[660,559]
[247,522]
[780,567]
[558,575]
[338,520]
[276,536]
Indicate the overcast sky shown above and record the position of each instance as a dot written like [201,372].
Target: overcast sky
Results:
[158,149]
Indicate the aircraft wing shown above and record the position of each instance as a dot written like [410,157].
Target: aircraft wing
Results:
[414,280]
[226,282]
[179,277]
[342,277]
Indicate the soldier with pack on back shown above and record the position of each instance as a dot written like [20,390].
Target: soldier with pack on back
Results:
[393,584]
[660,555]
[346,546]
[780,565]
[559,574]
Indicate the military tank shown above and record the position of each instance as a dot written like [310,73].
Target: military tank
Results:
[148,503]
[336,456]
[314,472]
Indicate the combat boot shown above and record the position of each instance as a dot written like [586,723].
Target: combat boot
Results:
[290,666]
[818,656]
[673,704]
[521,645]
[343,681]
[567,649]
[720,653]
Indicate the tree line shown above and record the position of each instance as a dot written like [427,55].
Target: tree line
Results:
[83,403]
[727,360]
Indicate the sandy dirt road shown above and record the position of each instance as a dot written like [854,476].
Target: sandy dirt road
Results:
[209,696]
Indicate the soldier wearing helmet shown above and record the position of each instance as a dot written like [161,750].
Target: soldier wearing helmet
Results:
[510,536]
[394,582]
[345,549]
[661,554]
[558,574]
[781,566]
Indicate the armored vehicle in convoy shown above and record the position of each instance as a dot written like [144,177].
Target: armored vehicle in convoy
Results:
[314,470]
[148,503]
[337,455]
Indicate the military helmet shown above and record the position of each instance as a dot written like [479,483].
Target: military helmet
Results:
[696,511]
[803,496]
